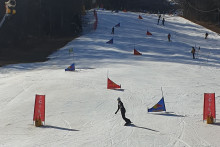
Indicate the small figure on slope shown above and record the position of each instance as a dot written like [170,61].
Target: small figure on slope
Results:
[113,30]
[158,20]
[163,21]
[206,35]
[193,51]
[169,36]
[122,108]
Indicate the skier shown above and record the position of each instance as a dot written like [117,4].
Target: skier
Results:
[168,36]
[206,35]
[122,108]
[113,30]
[163,21]
[193,51]
[158,21]
[159,16]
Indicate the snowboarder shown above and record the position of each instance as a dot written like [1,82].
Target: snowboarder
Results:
[113,30]
[193,51]
[168,36]
[163,21]
[122,108]
[206,35]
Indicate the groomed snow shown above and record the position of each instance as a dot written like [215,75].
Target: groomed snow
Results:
[79,107]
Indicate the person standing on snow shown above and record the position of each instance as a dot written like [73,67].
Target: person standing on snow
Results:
[206,35]
[169,36]
[113,30]
[193,51]
[122,108]
[158,20]
[163,21]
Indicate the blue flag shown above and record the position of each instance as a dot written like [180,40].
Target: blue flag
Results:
[71,68]
[160,106]
[117,25]
[110,41]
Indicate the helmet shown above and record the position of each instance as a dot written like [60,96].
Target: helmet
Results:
[119,99]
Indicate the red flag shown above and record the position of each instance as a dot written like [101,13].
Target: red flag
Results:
[112,85]
[209,105]
[39,108]
[136,52]
[148,33]
[140,17]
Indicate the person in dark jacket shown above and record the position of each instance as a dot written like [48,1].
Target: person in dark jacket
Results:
[169,36]
[206,35]
[122,108]
[163,21]
[113,30]
[193,51]
[158,20]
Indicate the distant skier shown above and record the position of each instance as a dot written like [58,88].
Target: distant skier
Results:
[159,16]
[163,21]
[113,30]
[158,21]
[122,108]
[169,36]
[206,35]
[193,51]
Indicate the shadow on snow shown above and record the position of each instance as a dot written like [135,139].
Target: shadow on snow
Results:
[168,114]
[132,125]
[59,128]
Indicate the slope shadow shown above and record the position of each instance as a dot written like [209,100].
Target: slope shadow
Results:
[168,114]
[59,128]
[132,125]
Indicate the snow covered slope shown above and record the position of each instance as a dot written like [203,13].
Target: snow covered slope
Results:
[79,108]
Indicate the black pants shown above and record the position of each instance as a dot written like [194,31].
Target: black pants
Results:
[193,56]
[123,116]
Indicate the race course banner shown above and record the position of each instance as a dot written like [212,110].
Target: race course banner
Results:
[39,108]
[209,106]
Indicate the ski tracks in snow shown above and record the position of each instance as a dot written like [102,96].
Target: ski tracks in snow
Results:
[179,138]
[189,133]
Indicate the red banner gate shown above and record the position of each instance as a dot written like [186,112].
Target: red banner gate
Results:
[209,106]
[39,108]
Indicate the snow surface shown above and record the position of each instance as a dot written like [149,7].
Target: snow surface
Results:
[79,107]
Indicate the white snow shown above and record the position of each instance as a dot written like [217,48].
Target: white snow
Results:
[79,107]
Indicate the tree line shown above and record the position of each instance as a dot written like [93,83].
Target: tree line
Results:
[60,18]
[40,19]
[201,10]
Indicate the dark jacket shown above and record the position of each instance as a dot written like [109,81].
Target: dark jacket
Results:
[193,51]
[121,107]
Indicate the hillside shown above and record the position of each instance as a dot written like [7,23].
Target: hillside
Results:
[37,29]
[80,110]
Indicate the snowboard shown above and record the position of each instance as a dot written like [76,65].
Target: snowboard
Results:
[128,124]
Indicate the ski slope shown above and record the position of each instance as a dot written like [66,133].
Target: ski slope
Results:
[80,110]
